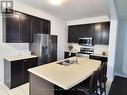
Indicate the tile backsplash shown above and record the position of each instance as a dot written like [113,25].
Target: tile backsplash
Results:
[98,49]
[13,49]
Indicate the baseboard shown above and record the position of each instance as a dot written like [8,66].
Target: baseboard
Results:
[1,83]
[121,75]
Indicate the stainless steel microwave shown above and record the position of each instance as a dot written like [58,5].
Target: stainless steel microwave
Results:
[85,41]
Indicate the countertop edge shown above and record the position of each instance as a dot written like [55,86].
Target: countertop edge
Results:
[66,87]
[20,58]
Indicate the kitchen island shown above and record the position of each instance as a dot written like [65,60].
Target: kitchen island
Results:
[43,78]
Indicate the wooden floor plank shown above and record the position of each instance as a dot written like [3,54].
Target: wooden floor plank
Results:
[119,86]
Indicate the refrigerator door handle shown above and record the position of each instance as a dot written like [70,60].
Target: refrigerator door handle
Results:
[44,50]
[49,49]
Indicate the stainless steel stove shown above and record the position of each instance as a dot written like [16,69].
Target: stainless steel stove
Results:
[85,52]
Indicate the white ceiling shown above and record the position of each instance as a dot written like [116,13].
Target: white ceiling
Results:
[72,9]
[121,6]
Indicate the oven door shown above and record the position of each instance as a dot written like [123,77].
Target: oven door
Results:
[83,41]
[84,55]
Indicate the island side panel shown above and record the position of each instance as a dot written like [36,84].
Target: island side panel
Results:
[39,86]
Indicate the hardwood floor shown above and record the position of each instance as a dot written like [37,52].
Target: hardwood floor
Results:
[119,86]
[20,90]
[24,89]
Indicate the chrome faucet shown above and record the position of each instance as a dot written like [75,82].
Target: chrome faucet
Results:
[75,56]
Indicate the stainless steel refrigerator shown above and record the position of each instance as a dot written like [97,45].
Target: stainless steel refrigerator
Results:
[45,47]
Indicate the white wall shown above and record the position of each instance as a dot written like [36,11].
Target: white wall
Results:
[121,50]
[113,34]
[58,27]
[112,48]
[98,49]
[125,52]
[89,20]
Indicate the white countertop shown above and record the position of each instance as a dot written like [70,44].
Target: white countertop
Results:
[66,76]
[73,51]
[90,54]
[100,55]
[19,57]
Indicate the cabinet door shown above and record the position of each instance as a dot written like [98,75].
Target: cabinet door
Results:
[72,34]
[89,30]
[97,33]
[26,35]
[29,63]
[85,30]
[105,33]
[36,25]
[66,55]
[79,31]
[17,74]
[101,33]
[12,28]
[45,26]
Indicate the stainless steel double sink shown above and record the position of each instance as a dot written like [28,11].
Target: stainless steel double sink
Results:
[67,62]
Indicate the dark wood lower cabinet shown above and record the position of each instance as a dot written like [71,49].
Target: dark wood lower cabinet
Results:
[60,91]
[28,63]
[66,54]
[15,72]
[100,58]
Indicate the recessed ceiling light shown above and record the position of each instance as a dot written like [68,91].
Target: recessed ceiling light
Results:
[56,2]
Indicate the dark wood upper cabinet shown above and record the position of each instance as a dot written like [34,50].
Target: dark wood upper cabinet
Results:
[98,31]
[40,26]
[36,25]
[17,28]
[72,34]
[79,31]
[101,33]
[20,27]
[25,30]
[45,26]
[105,33]
[11,27]
[85,30]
